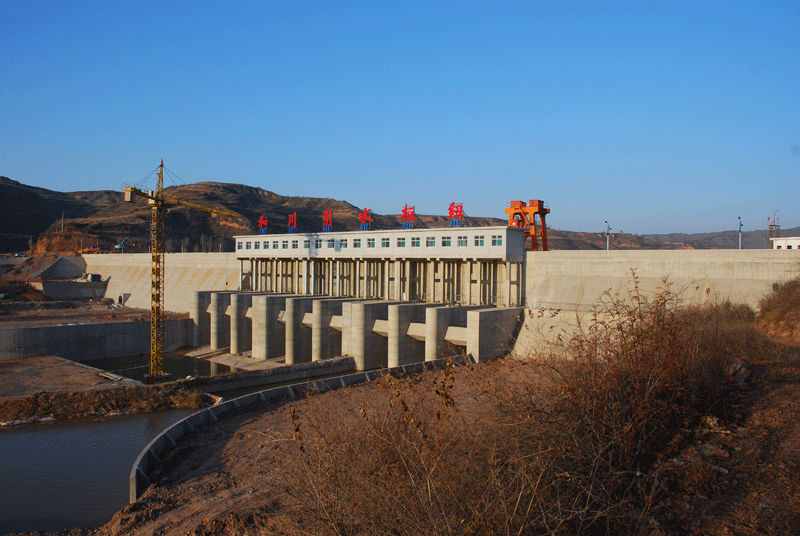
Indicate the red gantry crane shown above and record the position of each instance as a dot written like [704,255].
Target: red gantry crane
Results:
[522,215]
[157,201]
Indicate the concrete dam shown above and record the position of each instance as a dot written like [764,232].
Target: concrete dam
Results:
[394,297]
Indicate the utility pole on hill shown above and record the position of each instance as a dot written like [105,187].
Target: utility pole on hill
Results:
[740,232]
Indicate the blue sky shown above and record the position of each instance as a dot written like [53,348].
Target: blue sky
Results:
[656,116]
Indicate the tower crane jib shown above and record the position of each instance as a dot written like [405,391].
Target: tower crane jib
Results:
[157,201]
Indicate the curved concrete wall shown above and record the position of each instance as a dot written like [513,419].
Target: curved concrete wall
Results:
[167,440]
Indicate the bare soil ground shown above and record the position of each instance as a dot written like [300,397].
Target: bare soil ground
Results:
[31,375]
[738,477]
[24,314]
[50,387]
[47,387]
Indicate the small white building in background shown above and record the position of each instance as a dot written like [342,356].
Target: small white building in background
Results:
[789,242]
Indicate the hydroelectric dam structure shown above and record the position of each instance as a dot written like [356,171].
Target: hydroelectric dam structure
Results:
[392,297]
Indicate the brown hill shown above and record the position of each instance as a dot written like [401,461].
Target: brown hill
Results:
[32,216]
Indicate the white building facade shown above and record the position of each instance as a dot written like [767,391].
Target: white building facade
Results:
[790,242]
[464,265]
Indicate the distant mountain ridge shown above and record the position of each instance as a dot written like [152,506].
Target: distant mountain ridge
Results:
[31,215]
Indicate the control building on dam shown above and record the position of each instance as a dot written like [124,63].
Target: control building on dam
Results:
[387,298]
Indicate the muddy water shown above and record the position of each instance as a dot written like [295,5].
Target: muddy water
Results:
[179,366]
[71,474]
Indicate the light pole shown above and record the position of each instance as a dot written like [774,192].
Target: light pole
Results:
[740,232]
[608,234]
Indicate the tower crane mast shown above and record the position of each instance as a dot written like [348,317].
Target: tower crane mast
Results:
[157,202]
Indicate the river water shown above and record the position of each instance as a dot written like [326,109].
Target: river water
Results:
[74,473]
[68,474]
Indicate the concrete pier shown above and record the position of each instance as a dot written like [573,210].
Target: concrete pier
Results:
[220,322]
[405,346]
[326,340]
[241,324]
[437,321]
[489,331]
[368,348]
[298,332]
[201,318]
[269,334]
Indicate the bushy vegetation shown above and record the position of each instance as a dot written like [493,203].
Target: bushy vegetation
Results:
[579,451]
[779,311]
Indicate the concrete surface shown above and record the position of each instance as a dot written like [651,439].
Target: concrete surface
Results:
[128,275]
[85,342]
[489,331]
[69,290]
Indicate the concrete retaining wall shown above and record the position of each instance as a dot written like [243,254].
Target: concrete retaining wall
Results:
[67,290]
[166,441]
[567,284]
[285,374]
[85,342]
[573,280]
[128,275]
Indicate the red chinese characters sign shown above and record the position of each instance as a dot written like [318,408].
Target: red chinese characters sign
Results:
[326,218]
[262,222]
[455,211]
[364,217]
[408,214]
[293,220]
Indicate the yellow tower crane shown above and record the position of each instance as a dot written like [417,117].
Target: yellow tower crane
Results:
[157,201]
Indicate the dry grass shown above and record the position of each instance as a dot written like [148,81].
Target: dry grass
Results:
[581,452]
[779,312]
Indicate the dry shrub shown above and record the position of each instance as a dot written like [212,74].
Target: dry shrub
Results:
[781,302]
[779,311]
[577,457]
[643,367]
